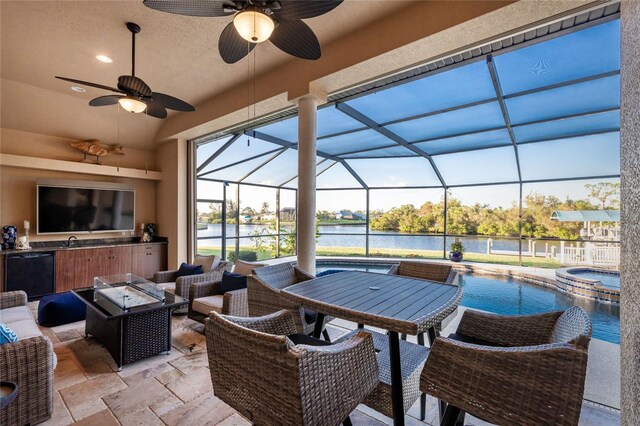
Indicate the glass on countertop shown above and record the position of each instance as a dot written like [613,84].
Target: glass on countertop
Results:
[127,290]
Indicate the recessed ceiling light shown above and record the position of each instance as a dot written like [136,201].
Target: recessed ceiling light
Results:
[103,58]
[78,89]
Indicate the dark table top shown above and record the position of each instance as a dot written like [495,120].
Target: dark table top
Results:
[107,309]
[392,302]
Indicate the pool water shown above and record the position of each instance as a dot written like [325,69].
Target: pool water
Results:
[607,280]
[507,296]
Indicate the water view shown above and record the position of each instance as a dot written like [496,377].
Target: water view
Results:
[333,236]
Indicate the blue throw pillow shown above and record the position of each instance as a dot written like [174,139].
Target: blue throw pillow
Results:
[186,270]
[7,335]
[231,282]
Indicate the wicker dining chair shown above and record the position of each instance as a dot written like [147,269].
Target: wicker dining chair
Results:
[525,370]
[263,292]
[258,371]
[169,280]
[438,272]
[204,297]
[412,358]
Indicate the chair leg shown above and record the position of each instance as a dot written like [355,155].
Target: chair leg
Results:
[404,336]
[450,416]
[347,422]
[423,406]
[325,334]
[360,325]
[460,419]
[421,339]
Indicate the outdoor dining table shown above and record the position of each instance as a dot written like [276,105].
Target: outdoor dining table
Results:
[395,303]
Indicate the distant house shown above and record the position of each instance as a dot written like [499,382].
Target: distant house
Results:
[349,215]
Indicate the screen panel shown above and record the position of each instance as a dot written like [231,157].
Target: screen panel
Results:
[458,86]
[472,141]
[582,98]
[481,166]
[473,119]
[592,123]
[579,54]
[597,155]
[395,172]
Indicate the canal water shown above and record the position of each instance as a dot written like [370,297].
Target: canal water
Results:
[346,236]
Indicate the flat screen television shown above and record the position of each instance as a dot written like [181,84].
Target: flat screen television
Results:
[69,209]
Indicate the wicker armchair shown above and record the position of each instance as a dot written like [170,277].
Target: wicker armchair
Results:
[181,287]
[206,295]
[264,286]
[257,370]
[29,363]
[532,373]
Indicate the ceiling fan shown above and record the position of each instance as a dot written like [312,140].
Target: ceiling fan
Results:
[133,94]
[255,21]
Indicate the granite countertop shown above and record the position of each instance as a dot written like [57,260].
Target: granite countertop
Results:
[44,246]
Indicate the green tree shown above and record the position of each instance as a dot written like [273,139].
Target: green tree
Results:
[605,191]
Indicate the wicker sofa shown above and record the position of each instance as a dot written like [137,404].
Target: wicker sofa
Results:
[29,362]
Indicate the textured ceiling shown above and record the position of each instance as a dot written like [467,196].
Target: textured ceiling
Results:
[176,55]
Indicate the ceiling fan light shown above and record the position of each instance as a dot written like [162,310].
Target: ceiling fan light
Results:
[132,104]
[253,25]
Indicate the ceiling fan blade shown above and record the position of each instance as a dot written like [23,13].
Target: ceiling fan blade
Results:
[297,39]
[86,83]
[232,47]
[171,102]
[302,9]
[193,7]
[130,83]
[105,100]
[156,109]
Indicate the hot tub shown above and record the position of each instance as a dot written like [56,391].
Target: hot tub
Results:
[598,284]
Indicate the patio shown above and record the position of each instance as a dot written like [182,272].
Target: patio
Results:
[176,389]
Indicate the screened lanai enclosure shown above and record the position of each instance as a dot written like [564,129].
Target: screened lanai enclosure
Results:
[483,146]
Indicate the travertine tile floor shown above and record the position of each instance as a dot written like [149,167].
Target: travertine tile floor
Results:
[172,389]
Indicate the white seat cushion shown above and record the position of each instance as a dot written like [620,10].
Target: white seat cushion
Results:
[207,262]
[25,329]
[168,287]
[244,268]
[205,305]
[15,314]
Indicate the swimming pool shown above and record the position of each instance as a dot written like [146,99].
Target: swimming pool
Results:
[507,296]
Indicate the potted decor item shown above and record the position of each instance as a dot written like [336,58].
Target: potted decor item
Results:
[456,251]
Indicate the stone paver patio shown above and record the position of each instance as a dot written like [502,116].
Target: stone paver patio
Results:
[174,389]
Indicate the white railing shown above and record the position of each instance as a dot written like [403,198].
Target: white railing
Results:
[590,254]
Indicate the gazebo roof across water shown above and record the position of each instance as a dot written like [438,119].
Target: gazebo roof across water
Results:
[544,112]
[586,216]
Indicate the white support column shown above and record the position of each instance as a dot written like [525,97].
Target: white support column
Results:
[306,239]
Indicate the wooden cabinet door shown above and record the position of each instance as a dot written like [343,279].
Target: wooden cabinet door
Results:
[116,260]
[75,268]
[149,259]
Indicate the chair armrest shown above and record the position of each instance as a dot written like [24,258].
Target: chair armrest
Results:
[453,278]
[301,275]
[235,303]
[11,299]
[202,289]
[523,385]
[165,276]
[340,376]
[264,299]
[28,361]
[394,269]
[509,330]
[278,323]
